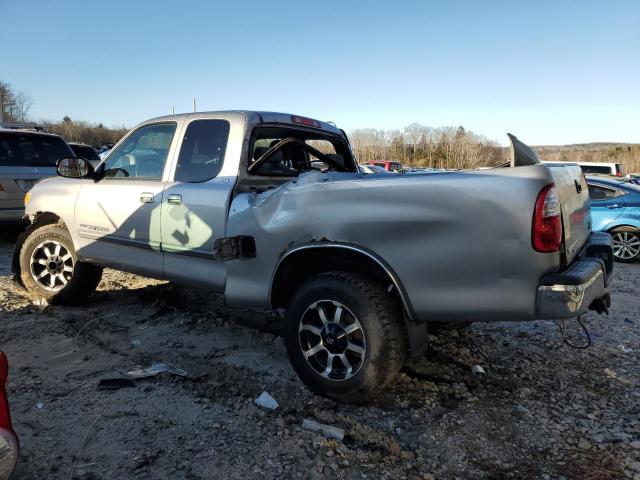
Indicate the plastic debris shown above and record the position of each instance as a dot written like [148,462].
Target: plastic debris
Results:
[155,369]
[624,349]
[115,383]
[135,342]
[266,401]
[325,430]
[39,404]
[477,370]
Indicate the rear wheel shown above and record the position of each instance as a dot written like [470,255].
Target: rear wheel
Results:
[626,244]
[49,267]
[343,336]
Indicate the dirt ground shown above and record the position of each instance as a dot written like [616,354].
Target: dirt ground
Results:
[542,410]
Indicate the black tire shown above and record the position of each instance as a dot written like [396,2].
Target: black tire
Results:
[69,286]
[626,241]
[381,335]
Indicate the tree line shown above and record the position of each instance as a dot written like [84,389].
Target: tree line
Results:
[415,145]
[424,146]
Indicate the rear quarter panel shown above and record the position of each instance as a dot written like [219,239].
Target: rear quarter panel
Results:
[460,242]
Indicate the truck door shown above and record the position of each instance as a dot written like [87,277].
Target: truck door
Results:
[607,205]
[195,206]
[118,217]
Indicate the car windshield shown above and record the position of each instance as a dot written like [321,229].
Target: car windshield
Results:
[31,150]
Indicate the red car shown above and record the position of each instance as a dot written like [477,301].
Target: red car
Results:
[8,440]
[387,165]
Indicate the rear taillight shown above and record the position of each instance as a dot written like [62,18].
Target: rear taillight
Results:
[546,231]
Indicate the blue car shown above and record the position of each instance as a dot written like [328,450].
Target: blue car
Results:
[615,208]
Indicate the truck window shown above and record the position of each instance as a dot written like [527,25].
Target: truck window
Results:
[142,155]
[202,152]
[596,169]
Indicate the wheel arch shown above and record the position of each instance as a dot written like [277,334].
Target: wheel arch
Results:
[303,261]
[624,225]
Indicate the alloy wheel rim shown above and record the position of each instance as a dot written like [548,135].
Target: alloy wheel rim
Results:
[332,340]
[626,245]
[51,265]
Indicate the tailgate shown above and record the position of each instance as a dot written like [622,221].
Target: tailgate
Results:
[574,197]
[574,203]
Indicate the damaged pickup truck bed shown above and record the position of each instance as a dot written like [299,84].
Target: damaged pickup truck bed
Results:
[270,210]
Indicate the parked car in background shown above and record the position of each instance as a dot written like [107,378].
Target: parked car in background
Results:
[85,151]
[26,156]
[601,168]
[634,178]
[390,166]
[615,208]
[9,446]
[372,169]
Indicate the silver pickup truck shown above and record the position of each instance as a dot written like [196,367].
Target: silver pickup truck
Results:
[271,211]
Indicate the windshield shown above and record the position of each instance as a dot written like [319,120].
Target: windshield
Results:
[31,150]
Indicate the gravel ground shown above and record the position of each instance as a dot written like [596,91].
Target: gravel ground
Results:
[542,410]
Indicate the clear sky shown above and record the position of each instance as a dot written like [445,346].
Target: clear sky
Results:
[548,71]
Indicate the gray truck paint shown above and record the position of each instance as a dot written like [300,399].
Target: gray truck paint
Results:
[456,245]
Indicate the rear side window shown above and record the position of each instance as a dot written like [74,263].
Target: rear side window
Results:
[26,150]
[596,169]
[202,152]
[597,192]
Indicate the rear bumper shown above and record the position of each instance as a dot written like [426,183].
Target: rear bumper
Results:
[581,287]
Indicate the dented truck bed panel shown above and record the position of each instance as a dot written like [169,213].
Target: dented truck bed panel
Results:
[459,242]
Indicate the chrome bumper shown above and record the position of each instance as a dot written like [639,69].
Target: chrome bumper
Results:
[581,287]
[568,301]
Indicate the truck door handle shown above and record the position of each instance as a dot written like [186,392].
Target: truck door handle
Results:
[611,207]
[174,199]
[146,197]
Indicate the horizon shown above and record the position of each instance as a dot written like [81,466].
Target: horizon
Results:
[562,77]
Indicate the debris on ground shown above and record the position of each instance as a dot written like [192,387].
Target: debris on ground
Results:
[155,369]
[266,401]
[327,431]
[477,370]
[624,349]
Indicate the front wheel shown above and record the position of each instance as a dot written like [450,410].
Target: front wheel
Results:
[49,267]
[626,244]
[344,337]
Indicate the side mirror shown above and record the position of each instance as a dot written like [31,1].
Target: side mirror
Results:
[74,167]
